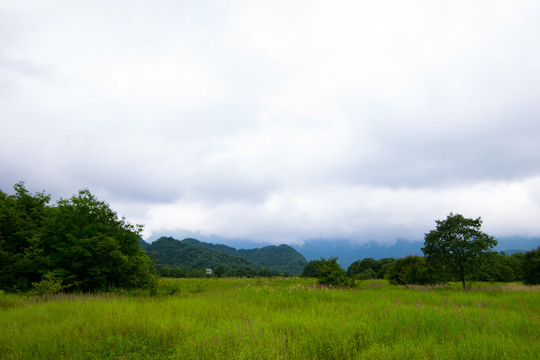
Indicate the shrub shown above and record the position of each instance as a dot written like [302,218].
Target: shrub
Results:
[49,285]
[330,273]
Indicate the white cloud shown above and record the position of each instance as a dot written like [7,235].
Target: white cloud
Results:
[278,121]
[358,213]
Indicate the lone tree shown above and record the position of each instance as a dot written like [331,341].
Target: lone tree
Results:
[455,242]
[328,272]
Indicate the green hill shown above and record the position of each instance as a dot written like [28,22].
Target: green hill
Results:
[167,251]
[282,258]
[219,247]
[143,244]
[193,254]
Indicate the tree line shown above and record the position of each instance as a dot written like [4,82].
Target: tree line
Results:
[456,250]
[80,244]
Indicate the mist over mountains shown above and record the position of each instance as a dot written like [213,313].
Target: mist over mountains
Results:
[348,251]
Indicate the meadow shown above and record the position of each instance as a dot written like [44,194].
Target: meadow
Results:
[275,318]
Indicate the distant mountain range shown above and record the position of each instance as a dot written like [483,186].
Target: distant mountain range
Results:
[348,251]
[194,254]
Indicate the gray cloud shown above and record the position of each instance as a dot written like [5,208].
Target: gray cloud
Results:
[278,122]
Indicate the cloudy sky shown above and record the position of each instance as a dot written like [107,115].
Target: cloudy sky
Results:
[278,121]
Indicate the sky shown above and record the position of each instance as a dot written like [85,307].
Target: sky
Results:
[278,121]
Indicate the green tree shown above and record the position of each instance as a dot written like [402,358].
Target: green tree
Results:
[22,259]
[455,242]
[91,248]
[171,271]
[79,244]
[310,270]
[411,269]
[265,272]
[493,266]
[220,271]
[386,264]
[330,273]
[515,262]
[530,266]
[366,268]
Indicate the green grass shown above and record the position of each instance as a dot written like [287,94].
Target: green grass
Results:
[281,318]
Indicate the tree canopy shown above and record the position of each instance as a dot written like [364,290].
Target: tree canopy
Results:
[328,272]
[411,269]
[531,267]
[78,242]
[455,243]
[369,268]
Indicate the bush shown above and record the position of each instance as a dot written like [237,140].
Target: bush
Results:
[49,285]
[330,273]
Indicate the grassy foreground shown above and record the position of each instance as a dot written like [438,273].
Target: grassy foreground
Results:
[274,319]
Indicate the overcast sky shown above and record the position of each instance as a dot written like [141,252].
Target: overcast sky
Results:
[278,121]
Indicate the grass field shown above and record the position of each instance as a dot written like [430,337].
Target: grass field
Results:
[278,318]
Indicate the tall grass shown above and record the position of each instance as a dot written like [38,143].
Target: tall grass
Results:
[274,319]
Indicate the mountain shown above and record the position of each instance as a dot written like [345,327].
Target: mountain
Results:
[143,244]
[517,243]
[172,252]
[219,247]
[194,254]
[513,251]
[282,258]
[348,252]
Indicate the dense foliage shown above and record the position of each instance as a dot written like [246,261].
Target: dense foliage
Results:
[490,266]
[493,266]
[76,244]
[328,272]
[410,270]
[531,267]
[455,243]
[369,268]
[310,270]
